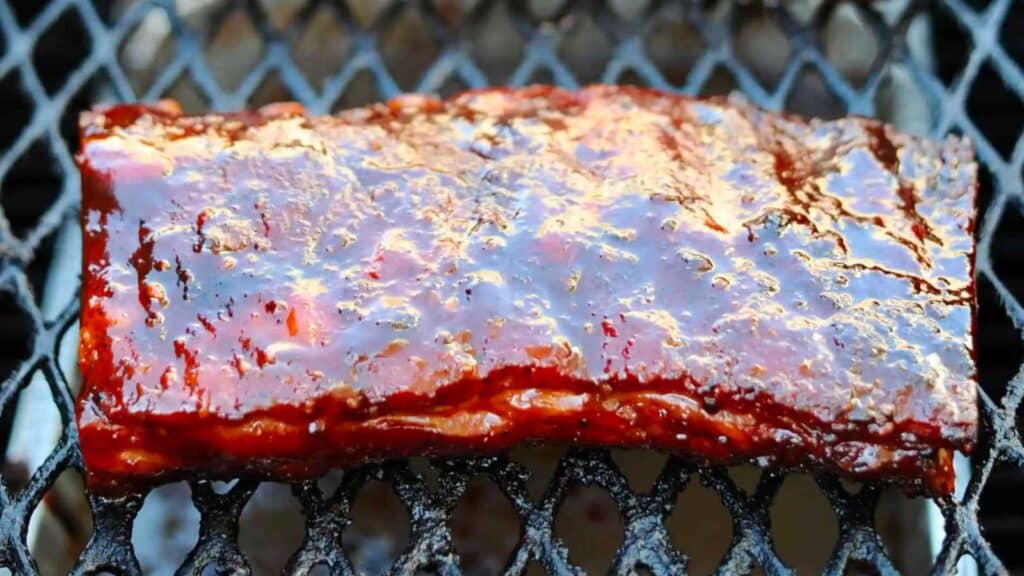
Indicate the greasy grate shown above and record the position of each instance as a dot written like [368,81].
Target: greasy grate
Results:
[376,49]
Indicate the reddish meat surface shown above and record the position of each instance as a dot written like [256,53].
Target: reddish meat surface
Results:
[278,293]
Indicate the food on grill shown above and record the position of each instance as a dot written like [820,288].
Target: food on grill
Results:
[273,292]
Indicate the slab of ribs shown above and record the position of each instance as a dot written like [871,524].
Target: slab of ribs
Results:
[278,293]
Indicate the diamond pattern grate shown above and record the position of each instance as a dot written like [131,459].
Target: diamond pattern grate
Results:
[331,54]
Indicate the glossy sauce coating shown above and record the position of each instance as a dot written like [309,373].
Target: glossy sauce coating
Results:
[278,293]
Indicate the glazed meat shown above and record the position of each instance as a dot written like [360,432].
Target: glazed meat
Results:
[279,293]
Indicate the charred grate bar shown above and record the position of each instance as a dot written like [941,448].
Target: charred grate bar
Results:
[976,94]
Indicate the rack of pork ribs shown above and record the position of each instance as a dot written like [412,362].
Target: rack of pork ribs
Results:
[278,293]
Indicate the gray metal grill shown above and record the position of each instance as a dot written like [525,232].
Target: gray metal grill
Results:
[60,55]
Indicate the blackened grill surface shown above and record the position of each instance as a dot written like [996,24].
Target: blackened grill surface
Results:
[613,266]
[977,54]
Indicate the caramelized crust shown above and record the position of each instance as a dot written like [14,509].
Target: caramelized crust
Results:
[279,293]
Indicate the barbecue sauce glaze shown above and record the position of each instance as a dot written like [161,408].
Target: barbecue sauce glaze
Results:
[278,293]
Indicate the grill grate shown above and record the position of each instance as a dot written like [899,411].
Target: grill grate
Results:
[974,88]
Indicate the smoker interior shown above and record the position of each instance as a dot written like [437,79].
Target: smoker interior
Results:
[929,67]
